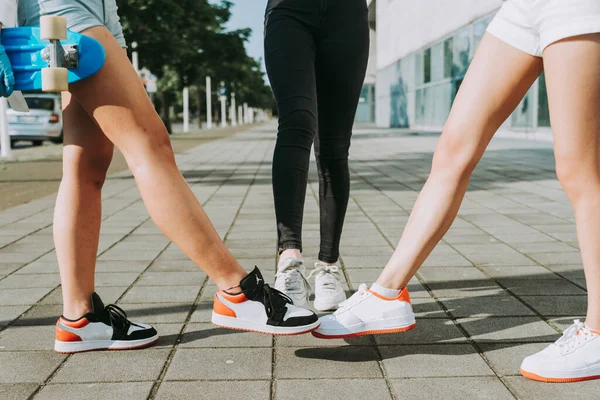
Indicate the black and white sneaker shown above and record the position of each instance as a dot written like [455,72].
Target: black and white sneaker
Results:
[105,328]
[260,308]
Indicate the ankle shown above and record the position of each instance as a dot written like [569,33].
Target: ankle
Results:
[385,291]
[76,310]
[330,264]
[291,253]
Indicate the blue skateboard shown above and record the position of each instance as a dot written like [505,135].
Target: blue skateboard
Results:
[49,57]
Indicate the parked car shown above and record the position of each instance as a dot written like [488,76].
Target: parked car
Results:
[43,122]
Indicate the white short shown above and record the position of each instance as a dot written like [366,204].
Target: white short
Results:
[532,25]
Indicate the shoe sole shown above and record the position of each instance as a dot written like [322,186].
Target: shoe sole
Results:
[98,345]
[249,326]
[364,333]
[538,378]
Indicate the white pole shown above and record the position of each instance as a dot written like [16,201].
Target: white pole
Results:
[223,112]
[208,104]
[233,110]
[4,137]
[246,118]
[186,109]
[134,58]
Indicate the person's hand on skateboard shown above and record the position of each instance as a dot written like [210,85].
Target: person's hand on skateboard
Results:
[7,79]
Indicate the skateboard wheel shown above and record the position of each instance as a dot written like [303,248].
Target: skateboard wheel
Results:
[53,27]
[55,79]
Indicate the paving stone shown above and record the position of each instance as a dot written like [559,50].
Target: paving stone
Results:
[113,366]
[446,274]
[351,362]
[508,329]
[163,313]
[518,272]
[170,265]
[563,323]
[9,268]
[108,294]
[433,361]
[378,261]
[128,255]
[172,278]
[486,306]
[427,307]
[528,389]
[547,287]
[9,313]
[17,391]
[464,388]
[27,338]
[469,288]
[121,266]
[256,390]
[336,389]
[311,341]
[214,364]
[506,358]
[427,331]
[557,305]
[13,297]
[30,281]
[572,257]
[96,391]
[166,294]
[28,366]
[209,335]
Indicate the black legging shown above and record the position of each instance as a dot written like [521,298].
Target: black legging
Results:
[316,53]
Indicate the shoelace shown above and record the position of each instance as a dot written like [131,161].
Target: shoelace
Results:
[328,275]
[354,299]
[118,317]
[273,299]
[573,337]
[293,276]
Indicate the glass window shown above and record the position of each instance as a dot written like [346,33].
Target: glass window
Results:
[40,103]
[437,62]
[420,108]
[427,66]
[479,29]
[419,68]
[523,115]
[462,53]
[448,57]
[543,109]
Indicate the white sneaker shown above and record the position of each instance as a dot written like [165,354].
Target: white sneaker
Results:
[291,281]
[368,313]
[572,358]
[329,290]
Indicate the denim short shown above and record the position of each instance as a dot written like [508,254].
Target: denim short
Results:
[80,14]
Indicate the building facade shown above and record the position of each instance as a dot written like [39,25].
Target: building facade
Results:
[422,50]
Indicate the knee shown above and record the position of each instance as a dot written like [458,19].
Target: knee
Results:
[151,150]
[87,167]
[576,175]
[297,126]
[455,156]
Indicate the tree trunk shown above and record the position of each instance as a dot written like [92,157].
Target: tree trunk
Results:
[165,106]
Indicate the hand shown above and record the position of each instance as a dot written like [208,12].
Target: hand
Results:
[7,79]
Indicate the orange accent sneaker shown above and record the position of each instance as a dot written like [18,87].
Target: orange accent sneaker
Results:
[368,313]
[105,328]
[572,358]
[260,308]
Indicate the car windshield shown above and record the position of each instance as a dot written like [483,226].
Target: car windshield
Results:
[38,103]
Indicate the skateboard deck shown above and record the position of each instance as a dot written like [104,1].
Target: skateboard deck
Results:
[29,54]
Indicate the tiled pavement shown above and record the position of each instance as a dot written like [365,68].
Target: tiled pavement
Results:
[503,283]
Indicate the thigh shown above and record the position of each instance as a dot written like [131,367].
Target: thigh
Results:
[572,69]
[496,81]
[342,57]
[84,142]
[290,61]
[116,100]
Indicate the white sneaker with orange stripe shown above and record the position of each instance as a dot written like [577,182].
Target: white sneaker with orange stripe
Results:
[572,358]
[260,308]
[368,313]
[105,328]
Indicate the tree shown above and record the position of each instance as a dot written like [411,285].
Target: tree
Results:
[183,41]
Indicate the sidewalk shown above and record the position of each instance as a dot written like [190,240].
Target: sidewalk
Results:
[504,282]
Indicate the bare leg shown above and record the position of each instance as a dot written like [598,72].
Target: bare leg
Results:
[116,100]
[87,155]
[574,105]
[497,80]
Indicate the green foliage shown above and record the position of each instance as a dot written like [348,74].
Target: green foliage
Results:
[183,41]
